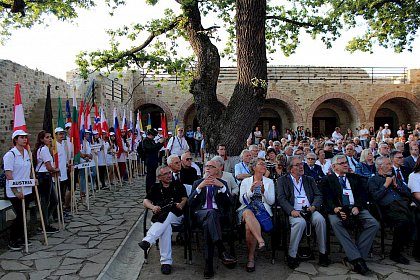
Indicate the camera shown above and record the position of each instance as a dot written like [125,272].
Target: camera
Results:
[349,222]
[306,213]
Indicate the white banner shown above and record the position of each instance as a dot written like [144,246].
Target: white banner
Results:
[96,147]
[85,165]
[20,183]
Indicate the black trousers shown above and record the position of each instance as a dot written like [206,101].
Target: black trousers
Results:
[16,229]
[209,220]
[151,174]
[399,216]
[102,173]
[47,195]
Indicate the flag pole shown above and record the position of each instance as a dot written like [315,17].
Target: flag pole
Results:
[95,158]
[118,170]
[37,198]
[25,229]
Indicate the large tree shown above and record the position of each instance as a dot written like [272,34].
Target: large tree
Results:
[254,29]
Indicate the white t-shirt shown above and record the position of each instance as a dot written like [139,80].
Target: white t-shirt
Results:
[62,160]
[326,167]
[414,182]
[20,167]
[43,156]
[362,132]
[177,146]
[85,149]
[101,157]
[386,133]
[337,136]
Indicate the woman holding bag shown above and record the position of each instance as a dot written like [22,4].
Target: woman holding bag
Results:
[256,189]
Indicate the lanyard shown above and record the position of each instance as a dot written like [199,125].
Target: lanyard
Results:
[343,181]
[246,168]
[179,142]
[300,188]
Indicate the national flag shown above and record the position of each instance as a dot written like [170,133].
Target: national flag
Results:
[104,124]
[141,122]
[81,123]
[149,122]
[55,150]
[88,122]
[176,126]
[75,132]
[164,126]
[97,121]
[117,131]
[138,125]
[132,131]
[68,112]
[48,116]
[130,124]
[124,124]
[60,120]
[18,113]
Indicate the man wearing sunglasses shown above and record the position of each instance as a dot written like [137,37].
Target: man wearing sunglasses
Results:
[210,201]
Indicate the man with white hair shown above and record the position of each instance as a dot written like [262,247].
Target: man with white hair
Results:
[241,169]
[383,150]
[227,176]
[254,150]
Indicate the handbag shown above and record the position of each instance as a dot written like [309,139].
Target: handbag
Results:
[260,213]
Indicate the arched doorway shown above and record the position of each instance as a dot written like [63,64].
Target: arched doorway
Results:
[155,113]
[275,112]
[332,113]
[190,116]
[396,111]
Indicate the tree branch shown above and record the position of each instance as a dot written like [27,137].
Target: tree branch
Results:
[5,5]
[380,4]
[152,35]
[295,22]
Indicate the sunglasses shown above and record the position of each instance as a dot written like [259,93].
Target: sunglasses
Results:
[189,159]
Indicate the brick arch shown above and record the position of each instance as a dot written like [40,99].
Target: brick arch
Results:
[389,96]
[140,102]
[187,105]
[290,104]
[346,98]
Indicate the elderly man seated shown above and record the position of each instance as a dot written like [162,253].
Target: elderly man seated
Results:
[394,198]
[299,195]
[166,199]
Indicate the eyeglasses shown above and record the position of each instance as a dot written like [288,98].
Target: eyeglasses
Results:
[310,158]
[262,164]
[298,164]
[210,166]
[188,159]
[398,157]
[166,173]
[342,163]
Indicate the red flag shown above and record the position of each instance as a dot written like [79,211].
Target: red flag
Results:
[104,124]
[75,132]
[118,134]
[18,113]
[164,128]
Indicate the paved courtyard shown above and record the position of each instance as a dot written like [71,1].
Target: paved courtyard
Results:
[102,244]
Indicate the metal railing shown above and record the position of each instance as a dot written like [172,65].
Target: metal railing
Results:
[113,89]
[306,74]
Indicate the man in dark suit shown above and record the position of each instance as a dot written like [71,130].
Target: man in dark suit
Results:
[311,169]
[410,161]
[345,199]
[394,198]
[399,170]
[295,193]
[274,134]
[151,149]
[209,202]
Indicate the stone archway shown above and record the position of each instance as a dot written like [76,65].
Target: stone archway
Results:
[334,109]
[395,108]
[165,108]
[290,104]
[154,111]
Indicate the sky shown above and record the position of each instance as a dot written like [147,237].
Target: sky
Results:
[53,49]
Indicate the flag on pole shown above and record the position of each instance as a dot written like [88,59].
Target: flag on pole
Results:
[97,121]
[141,123]
[104,124]
[117,131]
[138,126]
[81,123]
[176,126]
[60,120]
[48,116]
[75,132]
[164,127]
[18,113]
[88,122]
[55,150]
[124,124]
[68,112]
[149,122]
[130,124]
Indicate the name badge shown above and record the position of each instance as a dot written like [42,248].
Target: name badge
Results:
[301,199]
[349,193]
[20,183]
[85,165]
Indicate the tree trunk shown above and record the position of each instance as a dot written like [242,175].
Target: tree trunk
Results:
[231,126]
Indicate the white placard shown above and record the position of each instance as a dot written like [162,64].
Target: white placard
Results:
[85,165]
[96,147]
[20,183]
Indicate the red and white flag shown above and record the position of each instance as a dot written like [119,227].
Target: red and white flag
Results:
[104,124]
[18,113]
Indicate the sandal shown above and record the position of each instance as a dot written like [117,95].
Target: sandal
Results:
[261,246]
[250,266]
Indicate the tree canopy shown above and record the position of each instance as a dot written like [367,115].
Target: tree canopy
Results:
[248,32]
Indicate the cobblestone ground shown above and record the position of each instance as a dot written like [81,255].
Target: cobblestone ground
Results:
[82,250]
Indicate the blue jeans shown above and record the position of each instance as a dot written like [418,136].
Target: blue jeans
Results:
[82,180]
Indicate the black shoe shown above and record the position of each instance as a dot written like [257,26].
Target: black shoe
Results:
[359,266]
[50,229]
[324,260]
[14,246]
[398,258]
[250,266]
[226,258]
[144,245]
[292,263]
[166,269]
[208,271]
